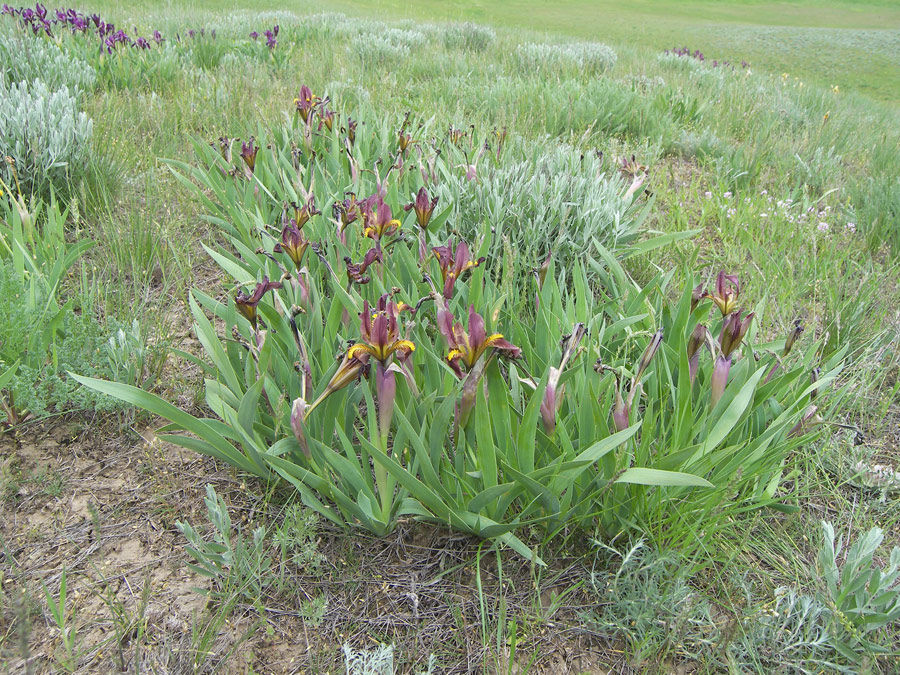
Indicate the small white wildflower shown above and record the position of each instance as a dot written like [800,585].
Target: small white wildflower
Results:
[822,227]
[763,215]
[730,213]
[764,193]
[727,195]
[707,194]
[850,227]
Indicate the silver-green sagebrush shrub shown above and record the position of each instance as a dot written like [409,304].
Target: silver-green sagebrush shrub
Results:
[582,57]
[27,58]
[468,36]
[560,200]
[388,366]
[250,567]
[44,134]
[378,50]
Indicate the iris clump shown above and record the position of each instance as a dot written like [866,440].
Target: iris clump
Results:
[472,386]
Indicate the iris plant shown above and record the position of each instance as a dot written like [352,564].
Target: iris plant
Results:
[622,409]
[554,393]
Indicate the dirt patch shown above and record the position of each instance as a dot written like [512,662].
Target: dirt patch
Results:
[103,508]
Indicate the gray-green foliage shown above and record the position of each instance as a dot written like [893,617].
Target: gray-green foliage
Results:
[863,597]
[559,200]
[44,133]
[469,36]
[26,58]
[375,49]
[649,600]
[378,661]
[587,57]
[248,568]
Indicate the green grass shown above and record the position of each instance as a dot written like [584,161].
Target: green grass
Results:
[853,45]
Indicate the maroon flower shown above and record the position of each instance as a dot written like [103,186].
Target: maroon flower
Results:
[423,206]
[247,304]
[306,101]
[454,263]
[248,153]
[293,243]
[466,348]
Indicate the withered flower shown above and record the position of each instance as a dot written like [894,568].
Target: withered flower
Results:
[302,213]
[455,135]
[353,367]
[357,272]
[403,138]
[698,339]
[792,338]
[696,296]
[326,117]
[554,393]
[622,409]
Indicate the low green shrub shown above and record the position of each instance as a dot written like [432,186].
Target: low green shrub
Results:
[41,336]
[863,597]
[250,568]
